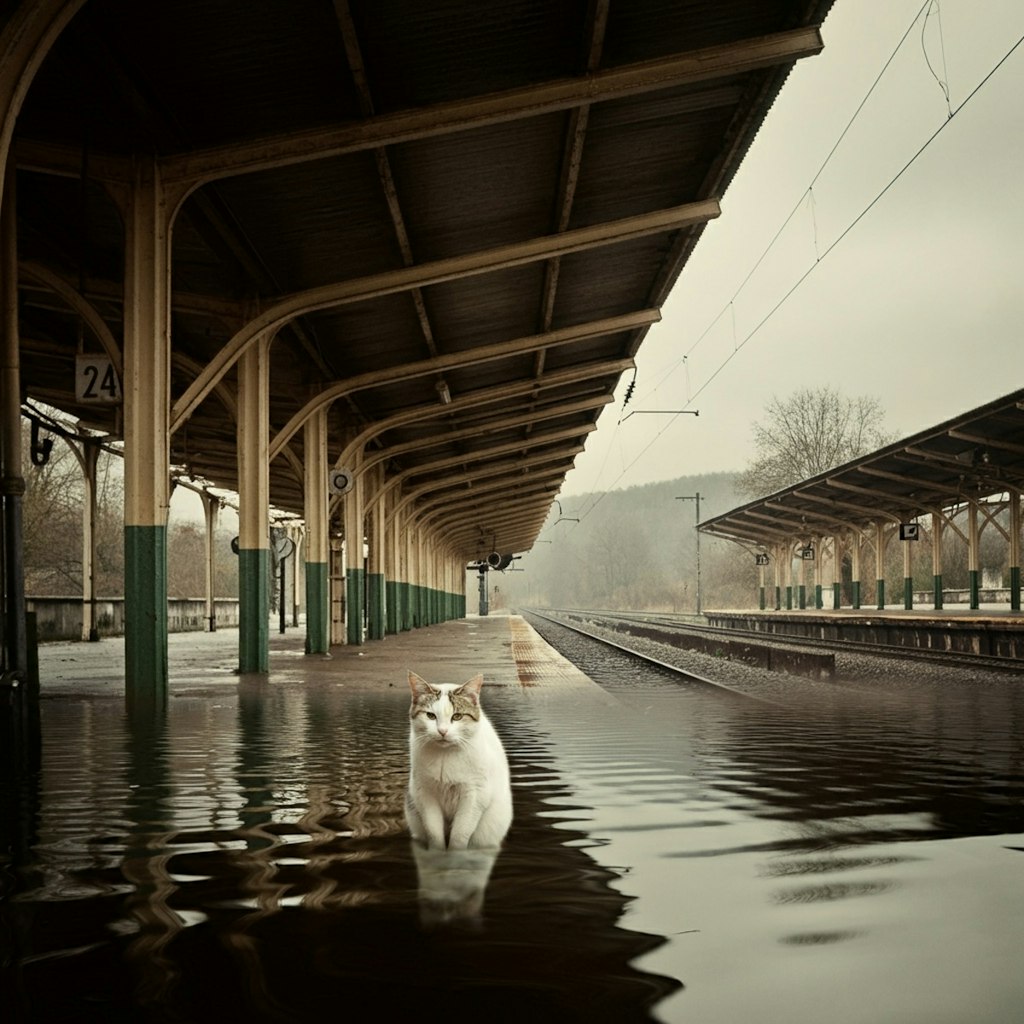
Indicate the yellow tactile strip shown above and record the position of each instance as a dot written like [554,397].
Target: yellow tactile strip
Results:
[538,664]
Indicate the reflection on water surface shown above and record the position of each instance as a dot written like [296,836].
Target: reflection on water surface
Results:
[675,855]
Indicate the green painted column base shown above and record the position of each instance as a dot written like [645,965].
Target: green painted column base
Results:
[880,594]
[375,606]
[145,616]
[392,611]
[837,595]
[253,610]
[818,602]
[789,599]
[1015,588]
[908,592]
[778,598]
[972,582]
[762,601]
[405,606]
[354,589]
[801,596]
[317,608]
[937,590]
[855,586]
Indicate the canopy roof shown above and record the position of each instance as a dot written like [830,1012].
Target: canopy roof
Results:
[976,455]
[460,219]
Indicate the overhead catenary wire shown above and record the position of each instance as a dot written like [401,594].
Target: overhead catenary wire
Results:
[738,347]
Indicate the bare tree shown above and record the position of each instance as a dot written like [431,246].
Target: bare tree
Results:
[808,433]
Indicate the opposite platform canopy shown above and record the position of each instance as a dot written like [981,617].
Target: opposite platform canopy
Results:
[974,456]
[459,218]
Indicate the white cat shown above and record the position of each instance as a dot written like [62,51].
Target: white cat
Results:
[459,793]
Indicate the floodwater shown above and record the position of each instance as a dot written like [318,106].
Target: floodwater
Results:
[676,855]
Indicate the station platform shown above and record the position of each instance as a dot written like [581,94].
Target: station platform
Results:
[995,631]
[505,648]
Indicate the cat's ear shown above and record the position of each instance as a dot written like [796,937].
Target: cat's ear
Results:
[419,686]
[471,688]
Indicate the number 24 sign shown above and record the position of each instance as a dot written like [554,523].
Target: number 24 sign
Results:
[96,380]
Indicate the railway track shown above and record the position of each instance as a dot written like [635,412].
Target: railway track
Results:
[683,631]
[646,658]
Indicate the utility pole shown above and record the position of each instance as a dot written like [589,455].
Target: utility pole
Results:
[696,498]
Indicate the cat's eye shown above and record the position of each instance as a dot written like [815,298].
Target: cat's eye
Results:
[430,715]
[456,716]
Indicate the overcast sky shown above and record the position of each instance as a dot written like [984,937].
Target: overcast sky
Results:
[918,305]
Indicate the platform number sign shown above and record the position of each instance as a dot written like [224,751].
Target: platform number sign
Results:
[909,531]
[807,553]
[761,559]
[96,380]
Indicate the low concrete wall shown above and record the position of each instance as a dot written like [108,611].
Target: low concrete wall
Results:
[60,618]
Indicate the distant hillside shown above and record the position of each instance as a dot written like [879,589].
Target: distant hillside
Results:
[632,548]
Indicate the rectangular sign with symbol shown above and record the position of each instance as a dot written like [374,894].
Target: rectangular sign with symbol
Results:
[909,531]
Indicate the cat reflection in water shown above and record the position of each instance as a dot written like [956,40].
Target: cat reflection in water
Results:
[459,802]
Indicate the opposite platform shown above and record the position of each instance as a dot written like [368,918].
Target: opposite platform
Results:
[505,648]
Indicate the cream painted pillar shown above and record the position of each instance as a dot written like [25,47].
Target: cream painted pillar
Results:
[375,533]
[355,571]
[254,507]
[317,554]
[146,388]
[211,513]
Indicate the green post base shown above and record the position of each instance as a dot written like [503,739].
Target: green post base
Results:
[937,590]
[908,592]
[801,597]
[880,594]
[972,577]
[761,599]
[354,589]
[145,616]
[855,586]
[317,610]
[1015,588]
[253,610]
[789,599]
[392,612]
[818,602]
[837,595]
[375,606]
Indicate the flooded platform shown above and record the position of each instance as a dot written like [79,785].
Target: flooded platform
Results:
[676,853]
[503,647]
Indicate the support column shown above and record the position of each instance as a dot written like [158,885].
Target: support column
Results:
[211,513]
[375,598]
[780,550]
[254,508]
[908,576]
[392,566]
[317,552]
[837,571]
[147,372]
[880,565]
[355,566]
[13,631]
[973,559]
[88,457]
[1015,551]
[409,577]
[937,524]
[856,538]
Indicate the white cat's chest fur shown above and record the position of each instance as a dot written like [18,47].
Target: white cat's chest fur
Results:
[459,792]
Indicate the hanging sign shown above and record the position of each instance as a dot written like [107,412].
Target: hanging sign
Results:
[807,553]
[96,380]
[910,531]
[761,559]
[340,480]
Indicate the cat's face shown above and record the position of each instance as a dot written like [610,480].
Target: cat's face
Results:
[444,714]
